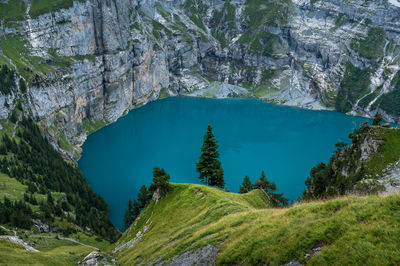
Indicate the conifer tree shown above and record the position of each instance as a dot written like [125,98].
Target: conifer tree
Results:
[246,185]
[276,199]
[208,165]
[160,181]
[144,196]
[129,215]
[50,199]
[377,119]
[264,184]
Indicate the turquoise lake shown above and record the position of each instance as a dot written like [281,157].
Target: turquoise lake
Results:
[253,136]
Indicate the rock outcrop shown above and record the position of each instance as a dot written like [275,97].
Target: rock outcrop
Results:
[88,64]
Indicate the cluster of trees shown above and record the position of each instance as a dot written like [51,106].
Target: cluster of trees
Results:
[262,183]
[326,180]
[160,185]
[16,213]
[211,173]
[377,119]
[7,80]
[34,162]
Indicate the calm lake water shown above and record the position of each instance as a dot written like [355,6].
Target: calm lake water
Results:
[252,135]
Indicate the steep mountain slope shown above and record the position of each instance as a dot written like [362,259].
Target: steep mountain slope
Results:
[195,224]
[86,63]
[371,163]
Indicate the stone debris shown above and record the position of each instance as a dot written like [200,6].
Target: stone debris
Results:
[17,240]
[204,256]
[92,259]
[310,255]
[133,241]
[42,227]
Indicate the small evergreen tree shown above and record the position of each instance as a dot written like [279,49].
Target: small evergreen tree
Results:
[269,188]
[160,181]
[144,196]
[50,199]
[208,165]
[246,185]
[22,85]
[377,119]
[129,215]
[264,184]
[340,145]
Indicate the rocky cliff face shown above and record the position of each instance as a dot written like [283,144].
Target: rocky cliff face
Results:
[87,63]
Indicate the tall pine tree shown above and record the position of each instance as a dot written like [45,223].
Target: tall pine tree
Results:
[208,165]
[246,186]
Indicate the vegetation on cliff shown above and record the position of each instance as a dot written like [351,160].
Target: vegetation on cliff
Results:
[27,157]
[355,168]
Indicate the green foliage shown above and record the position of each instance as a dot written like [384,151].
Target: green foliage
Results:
[160,181]
[341,20]
[90,126]
[34,160]
[199,23]
[22,85]
[389,102]
[15,213]
[166,15]
[135,207]
[340,145]
[131,213]
[269,188]
[157,28]
[371,47]
[350,230]
[208,165]
[377,119]
[64,143]
[388,152]
[12,10]
[261,43]
[181,215]
[39,7]
[160,185]
[266,12]
[354,85]
[246,186]
[328,180]
[259,14]
[220,36]
[364,102]
[396,80]
[52,252]
[275,199]
[32,68]
[223,24]
[144,196]
[7,80]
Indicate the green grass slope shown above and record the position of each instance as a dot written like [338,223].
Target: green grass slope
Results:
[59,252]
[54,249]
[351,230]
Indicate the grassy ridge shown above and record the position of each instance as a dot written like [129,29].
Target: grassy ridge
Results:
[350,230]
